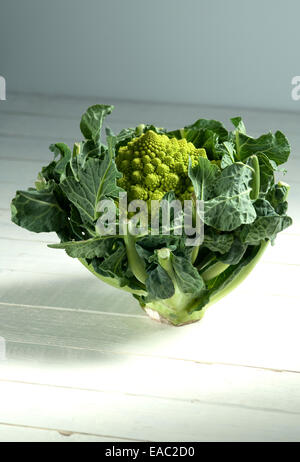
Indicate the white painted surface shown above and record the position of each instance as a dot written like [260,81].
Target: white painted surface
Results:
[82,358]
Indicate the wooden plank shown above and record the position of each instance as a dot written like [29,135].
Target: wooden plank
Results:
[213,384]
[19,434]
[257,331]
[77,289]
[139,417]
[80,337]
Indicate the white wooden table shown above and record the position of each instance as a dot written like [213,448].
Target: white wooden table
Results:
[83,363]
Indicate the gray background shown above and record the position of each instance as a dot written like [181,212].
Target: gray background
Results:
[233,52]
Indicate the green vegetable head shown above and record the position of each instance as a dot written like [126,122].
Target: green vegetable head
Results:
[231,173]
[154,164]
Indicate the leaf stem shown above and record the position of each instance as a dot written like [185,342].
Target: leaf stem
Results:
[214,270]
[164,259]
[255,183]
[136,264]
[179,301]
[237,143]
[194,254]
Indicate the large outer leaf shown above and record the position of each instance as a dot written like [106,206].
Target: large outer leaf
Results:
[235,253]
[113,265]
[232,206]
[203,177]
[267,225]
[267,168]
[275,147]
[217,242]
[92,119]
[96,181]
[90,248]
[38,211]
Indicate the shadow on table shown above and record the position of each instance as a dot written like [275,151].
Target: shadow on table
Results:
[55,318]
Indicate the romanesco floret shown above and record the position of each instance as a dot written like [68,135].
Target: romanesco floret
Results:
[153,164]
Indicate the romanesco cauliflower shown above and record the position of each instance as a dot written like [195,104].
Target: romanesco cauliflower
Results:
[153,164]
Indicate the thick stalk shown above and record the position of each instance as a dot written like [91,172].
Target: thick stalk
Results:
[186,317]
[179,301]
[164,259]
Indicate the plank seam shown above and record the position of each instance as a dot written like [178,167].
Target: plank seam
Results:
[68,433]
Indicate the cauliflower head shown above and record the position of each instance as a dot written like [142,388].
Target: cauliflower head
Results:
[153,164]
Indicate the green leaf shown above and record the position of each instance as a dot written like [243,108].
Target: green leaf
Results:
[90,248]
[115,267]
[65,156]
[154,242]
[217,242]
[159,285]
[267,168]
[92,120]
[267,225]
[213,125]
[239,124]
[235,253]
[96,181]
[275,146]
[38,211]
[232,206]
[187,277]
[203,177]
[229,154]
[277,196]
